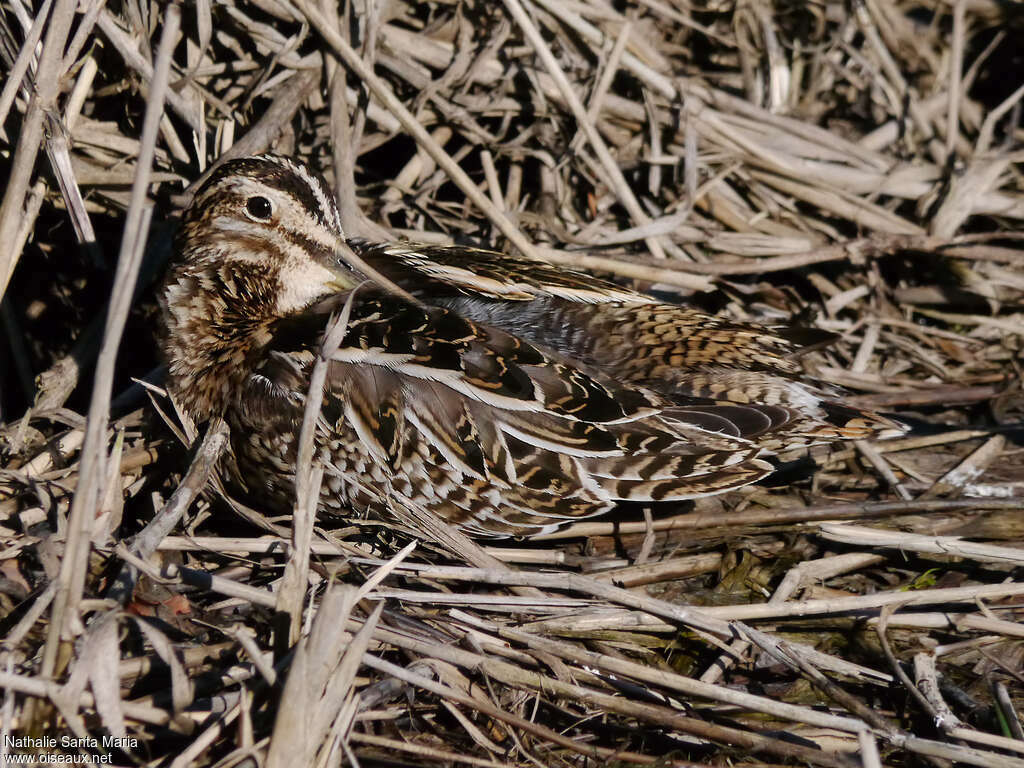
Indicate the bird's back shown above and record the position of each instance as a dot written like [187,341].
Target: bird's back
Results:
[686,355]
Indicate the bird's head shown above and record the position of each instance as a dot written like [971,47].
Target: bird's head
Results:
[266,231]
[261,241]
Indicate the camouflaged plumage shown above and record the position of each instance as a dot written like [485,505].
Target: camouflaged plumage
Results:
[505,395]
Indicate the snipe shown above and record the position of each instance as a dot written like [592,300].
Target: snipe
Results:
[510,396]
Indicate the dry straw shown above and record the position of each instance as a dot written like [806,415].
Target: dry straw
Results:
[850,166]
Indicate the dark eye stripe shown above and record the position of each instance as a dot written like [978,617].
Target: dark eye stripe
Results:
[281,174]
[313,248]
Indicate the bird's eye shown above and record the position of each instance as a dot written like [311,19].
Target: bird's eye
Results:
[259,208]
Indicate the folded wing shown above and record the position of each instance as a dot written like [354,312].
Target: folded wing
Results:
[504,437]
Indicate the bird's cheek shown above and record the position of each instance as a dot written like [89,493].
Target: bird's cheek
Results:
[301,285]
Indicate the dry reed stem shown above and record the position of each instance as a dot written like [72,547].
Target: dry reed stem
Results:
[71,580]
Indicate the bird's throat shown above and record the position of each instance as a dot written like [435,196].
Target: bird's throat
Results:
[212,343]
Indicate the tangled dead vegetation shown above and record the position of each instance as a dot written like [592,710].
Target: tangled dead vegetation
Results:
[854,167]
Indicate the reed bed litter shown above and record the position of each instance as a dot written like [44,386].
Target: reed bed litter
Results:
[853,167]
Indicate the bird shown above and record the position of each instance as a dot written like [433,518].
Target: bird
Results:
[505,395]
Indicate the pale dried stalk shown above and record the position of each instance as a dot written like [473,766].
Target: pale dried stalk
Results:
[73,567]
[384,94]
[939,545]
[47,86]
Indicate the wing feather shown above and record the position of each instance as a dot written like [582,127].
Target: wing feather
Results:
[495,428]
[436,269]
